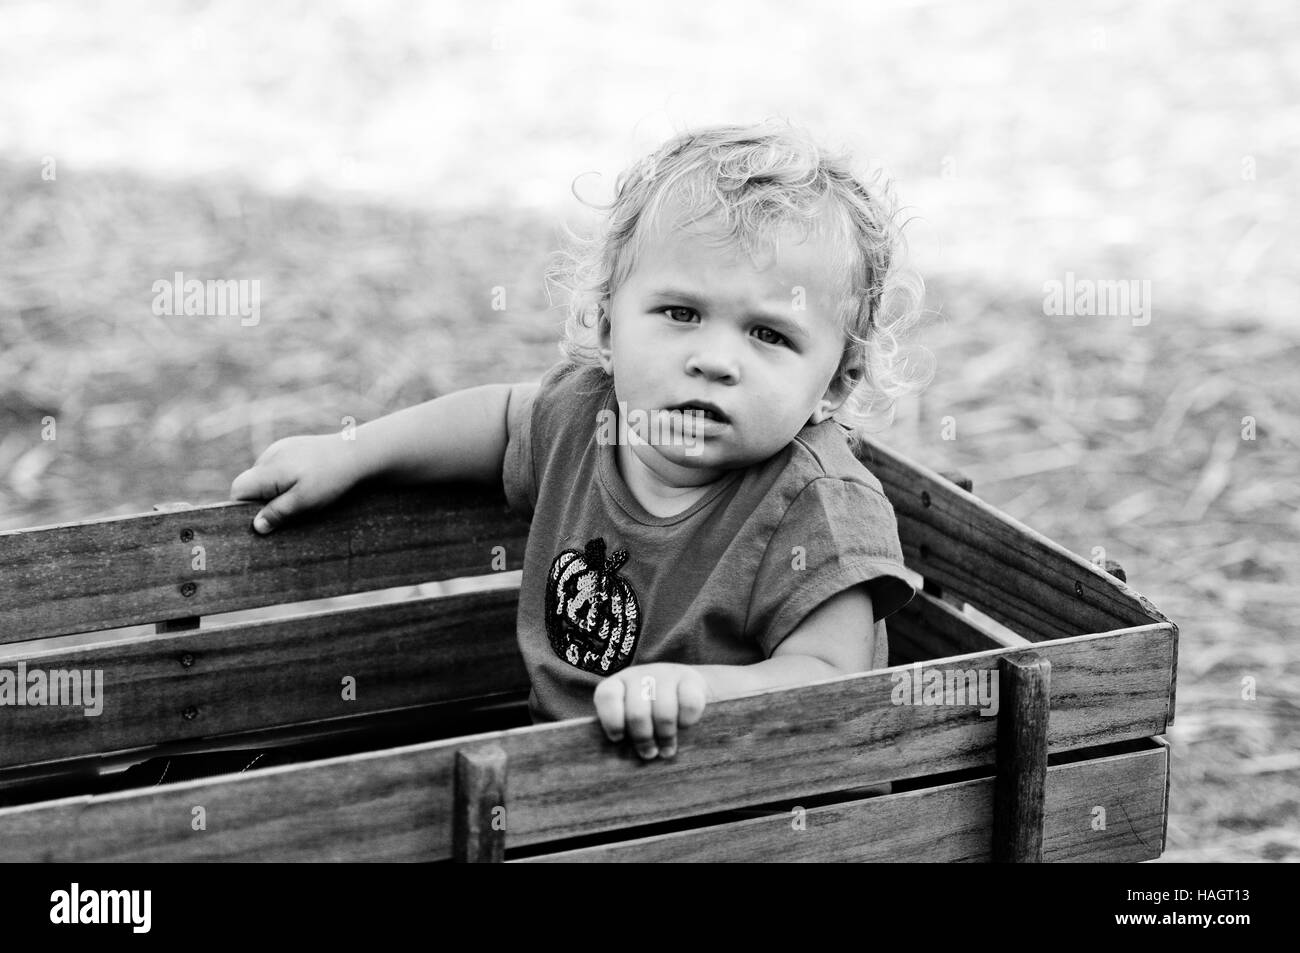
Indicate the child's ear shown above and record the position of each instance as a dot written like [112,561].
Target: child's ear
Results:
[825,408]
[836,394]
[605,337]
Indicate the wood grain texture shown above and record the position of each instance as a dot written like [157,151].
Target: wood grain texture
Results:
[1024,685]
[99,574]
[567,780]
[1133,792]
[478,833]
[289,671]
[957,828]
[980,555]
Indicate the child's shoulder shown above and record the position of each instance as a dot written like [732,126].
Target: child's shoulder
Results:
[822,452]
[571,382]
[564,392]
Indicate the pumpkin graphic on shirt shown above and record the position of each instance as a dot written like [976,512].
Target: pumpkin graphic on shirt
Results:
[592,614]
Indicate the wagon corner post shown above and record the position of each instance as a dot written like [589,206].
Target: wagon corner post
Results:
[1020,785]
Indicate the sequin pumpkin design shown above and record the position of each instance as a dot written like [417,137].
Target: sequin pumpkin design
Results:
[593,617]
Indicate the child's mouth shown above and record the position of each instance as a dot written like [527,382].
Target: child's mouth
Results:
[705,411]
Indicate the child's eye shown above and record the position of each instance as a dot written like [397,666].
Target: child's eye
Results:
[779,338]
[671,310]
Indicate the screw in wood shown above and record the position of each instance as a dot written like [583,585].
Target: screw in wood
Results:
[1078,589]
[189,714]
[187,660]
[189,588]
[187,535]
[925,497]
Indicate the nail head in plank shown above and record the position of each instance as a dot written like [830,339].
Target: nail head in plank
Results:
[185,623]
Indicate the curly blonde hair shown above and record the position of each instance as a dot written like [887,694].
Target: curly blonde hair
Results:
[757,179]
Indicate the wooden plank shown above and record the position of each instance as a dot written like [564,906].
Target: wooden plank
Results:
[931,628]
[108,573]
[929,586]
[377,806]
[188,622]
[991,627]
[1164,823]
[1135,806]
[954,827]
[982,556]
[479,806]
[288,671]
[1024,685]
[566,780]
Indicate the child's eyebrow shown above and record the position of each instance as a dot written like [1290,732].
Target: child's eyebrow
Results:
[788,325]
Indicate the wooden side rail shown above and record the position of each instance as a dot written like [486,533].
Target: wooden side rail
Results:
[245,677]
[187,563]
[958,817]
[1019,790]
[982,556]
[566,781]
[249,676]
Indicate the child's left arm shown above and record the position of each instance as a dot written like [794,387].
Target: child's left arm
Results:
[649,703]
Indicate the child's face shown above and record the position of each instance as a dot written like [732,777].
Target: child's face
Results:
[697,320]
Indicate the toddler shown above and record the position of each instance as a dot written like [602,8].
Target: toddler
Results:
[701,527]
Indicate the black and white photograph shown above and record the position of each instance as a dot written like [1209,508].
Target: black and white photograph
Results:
[733,431]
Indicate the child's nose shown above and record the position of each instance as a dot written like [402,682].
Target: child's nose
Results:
[714,367]
[715,358]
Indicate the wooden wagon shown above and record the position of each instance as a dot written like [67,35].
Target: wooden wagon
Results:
[398,730]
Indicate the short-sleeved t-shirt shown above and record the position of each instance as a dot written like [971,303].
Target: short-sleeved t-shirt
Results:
[606,584]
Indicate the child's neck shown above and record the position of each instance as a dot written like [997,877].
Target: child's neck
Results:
[659,496]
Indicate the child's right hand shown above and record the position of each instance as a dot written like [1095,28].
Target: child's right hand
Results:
[297,474]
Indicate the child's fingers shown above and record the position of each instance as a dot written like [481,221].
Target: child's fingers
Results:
[691,699]
[255,483]
[638,718]
[272,515]
[665,722]
[609,707]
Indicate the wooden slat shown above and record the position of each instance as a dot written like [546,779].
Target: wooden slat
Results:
[566,780]
[287,671]
[991,627]
[192,621]
[955,827]
[122,571]
[420,651]
[478,824]
[1024,687]
[982,556]
[931,628]
[1136,805]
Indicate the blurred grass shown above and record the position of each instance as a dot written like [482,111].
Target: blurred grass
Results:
[1094,432]
[162,408]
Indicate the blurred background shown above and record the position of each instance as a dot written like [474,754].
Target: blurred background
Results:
[382,168]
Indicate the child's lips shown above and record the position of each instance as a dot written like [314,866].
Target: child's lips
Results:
[689,421]
[703,411]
